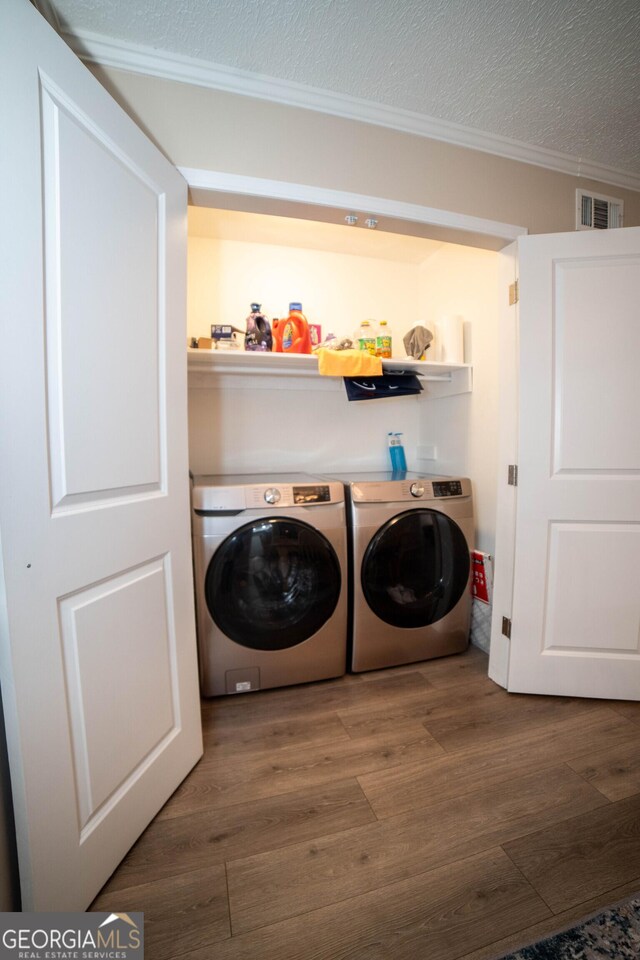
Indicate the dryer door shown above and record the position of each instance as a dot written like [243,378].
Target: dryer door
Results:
[273,583]
[416,568]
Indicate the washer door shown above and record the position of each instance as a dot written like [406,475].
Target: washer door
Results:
[273,583]
[416,568]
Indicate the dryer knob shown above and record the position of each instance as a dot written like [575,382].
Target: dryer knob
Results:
[416,490]
[272,495]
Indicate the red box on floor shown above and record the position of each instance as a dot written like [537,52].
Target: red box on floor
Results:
[479,583]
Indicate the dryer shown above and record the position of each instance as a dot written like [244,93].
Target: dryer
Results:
[270,565]
[411,536]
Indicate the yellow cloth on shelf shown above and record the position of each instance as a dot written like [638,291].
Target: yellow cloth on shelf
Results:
[348,363]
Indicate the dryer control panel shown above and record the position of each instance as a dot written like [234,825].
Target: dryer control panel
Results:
[412,487]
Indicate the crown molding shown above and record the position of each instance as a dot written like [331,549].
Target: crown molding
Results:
[136,58]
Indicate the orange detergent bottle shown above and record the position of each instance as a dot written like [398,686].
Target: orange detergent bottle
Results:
[291,334]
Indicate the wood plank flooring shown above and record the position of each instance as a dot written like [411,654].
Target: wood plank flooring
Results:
[418,812]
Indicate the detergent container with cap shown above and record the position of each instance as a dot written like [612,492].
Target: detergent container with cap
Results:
[291,334]
[258,331]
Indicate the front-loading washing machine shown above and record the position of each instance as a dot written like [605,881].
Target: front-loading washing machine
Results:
[410,541]
[270,565]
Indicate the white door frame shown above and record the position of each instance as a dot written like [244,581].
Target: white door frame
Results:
[210,188]
[508,454]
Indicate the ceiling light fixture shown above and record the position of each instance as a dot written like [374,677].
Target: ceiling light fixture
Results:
[351,219]
[371,223]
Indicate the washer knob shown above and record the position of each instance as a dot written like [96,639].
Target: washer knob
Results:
[272,495]
[416,490]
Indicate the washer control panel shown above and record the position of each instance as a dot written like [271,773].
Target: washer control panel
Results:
[417,489]
[299,495]
[447,488]
[312,493]
[292,494]
[233,493]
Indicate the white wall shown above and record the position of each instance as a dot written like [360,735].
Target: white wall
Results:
[297,425]
[458,280]
[337,290]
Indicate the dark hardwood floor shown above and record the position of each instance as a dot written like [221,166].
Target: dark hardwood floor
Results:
[420,812]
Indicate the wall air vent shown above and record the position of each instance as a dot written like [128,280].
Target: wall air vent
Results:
[595,212]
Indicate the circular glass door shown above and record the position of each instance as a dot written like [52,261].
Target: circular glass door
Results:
[415,569]
[273,583]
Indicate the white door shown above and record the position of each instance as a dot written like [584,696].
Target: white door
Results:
[98,656]
[575,615]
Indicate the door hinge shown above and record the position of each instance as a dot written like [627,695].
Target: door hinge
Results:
[506,627]
[514,292]
[512,478]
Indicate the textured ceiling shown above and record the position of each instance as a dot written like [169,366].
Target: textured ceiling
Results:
[560,74]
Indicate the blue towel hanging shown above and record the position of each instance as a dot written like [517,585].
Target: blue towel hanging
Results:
[378,388]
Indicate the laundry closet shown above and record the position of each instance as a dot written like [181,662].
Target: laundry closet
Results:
[244,418]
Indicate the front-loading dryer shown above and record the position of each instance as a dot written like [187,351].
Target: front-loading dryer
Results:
[270,565]
[411,536]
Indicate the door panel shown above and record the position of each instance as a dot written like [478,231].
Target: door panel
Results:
[592,343]
[119,664]
[593,588]
[576,588]
[97,649]
[105,313]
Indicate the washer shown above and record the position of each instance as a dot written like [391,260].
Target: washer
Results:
[410,543]
[270,563]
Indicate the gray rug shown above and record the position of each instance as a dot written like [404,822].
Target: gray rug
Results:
[613,934]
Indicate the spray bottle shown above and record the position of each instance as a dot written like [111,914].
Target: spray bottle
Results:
[396,453]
